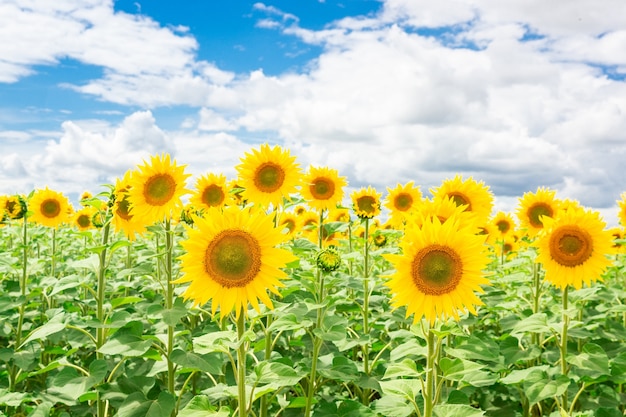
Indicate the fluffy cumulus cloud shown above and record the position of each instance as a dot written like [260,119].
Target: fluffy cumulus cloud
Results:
[519,94]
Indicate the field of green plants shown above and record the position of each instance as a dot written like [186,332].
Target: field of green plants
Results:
[94,323]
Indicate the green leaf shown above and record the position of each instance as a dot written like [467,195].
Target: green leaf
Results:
[591,362]
[51,327]
[117,302]
[137,405]
[65,283]
[405,388]
[126,344]
[475,347]
[289,321]
[13,399]
[341,369]
[409,349]
[457,369]
[537,323]
[456,410]
[172,316]
[618,368]
[211,363]
[277,374]
[71,385]
[538,386]
[403,369]
[520,375]
[200,406]
[393,406]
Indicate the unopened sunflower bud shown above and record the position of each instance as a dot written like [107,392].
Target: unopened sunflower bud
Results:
[328,260]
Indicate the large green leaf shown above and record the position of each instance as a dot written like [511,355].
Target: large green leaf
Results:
[591,363]
[210,362]
[138,405]
[456,410]
[200,406]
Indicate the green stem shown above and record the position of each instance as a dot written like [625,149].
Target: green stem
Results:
[366,309]
[100,331]
[241,364]
[20,322]
[268,354]
[563,347]
[429,402]
[536,298]
[169,302]
[54,250]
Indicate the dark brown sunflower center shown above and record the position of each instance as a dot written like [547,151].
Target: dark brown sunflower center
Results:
[507,247]
[289,224]
[269,177]
[570,245]
[213,195]
[535,212]
[83,220]
[437,269]
[159,189]
[322,189]
[503,226]
[367,204]
[50,208]
[403,202]
[123,209]
[233,258]
[461,200]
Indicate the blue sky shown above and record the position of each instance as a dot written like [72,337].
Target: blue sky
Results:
[517,95]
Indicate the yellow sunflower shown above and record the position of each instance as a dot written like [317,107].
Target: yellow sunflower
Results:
[439,271]
[532,206]
[573,248]
[211,192]
[503,223]
[307,225]
[366,203]
[322,188]
[507,245]
[268,175]
[123,219]
[82,218]
[50,208]
[621,214]
[15,206]
[618,234]
[288,223]
[402,201]
[156,188]
[339,214]
[232,258]
[443,209]
[474,194]
[86,195]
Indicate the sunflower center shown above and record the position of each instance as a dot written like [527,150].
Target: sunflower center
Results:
[503,226]
[403,202]
[460,200]
[213,195]
[269,177]
[536,211]
[233,258]
[83,220]
[159,189]
[507,247]
[289,224]
[366,204]
[570,245]
[322,189]
[50,208]
[123,209]
[436,269]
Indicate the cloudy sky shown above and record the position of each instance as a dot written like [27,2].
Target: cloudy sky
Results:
[518,93]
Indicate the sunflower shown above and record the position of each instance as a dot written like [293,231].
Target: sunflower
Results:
[322,188]
[618,234]
[573,247]
[402,201]
[86,195]
[474,194]
[268,175]
[288,223]
[123,219]
[532,206]
[156,189]
[15,206]
[366,202]
[339,214]
[508,245]
[232,258]
[443,209]
[621,215]
[503,223]
[50,208]
[211,192]
[439,270]
[308,222]
[82,218]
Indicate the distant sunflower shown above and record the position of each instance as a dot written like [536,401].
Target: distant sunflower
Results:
[443,208]
[439,271]
[82,218]
[503,223]
[235,191]
[307,227]
[86,195]
[50,208]
[15,206]
[156,189]
[339,214]
[288,223]
[474,194]
[573,248]
[211,192]
[366,203]
[532,206]
[322,188]
[232,258]
[123,219]
[621,215]
[618,233]
[268,175]
[402,201]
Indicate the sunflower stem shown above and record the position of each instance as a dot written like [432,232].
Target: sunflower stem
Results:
[536,298]
[169,300]
[241,364]
[100,331]
[366,301]
[563,347]
[429,400]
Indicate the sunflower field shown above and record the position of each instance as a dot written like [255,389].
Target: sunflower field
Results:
[277,294]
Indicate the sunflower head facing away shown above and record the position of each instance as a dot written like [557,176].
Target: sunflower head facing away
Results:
[156,188]
[469,192]
[50,208]
[322,188]
[573,246]
[439,271]
[232,258]
[366,203]
[211,192]
[532,208]
[268,175]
